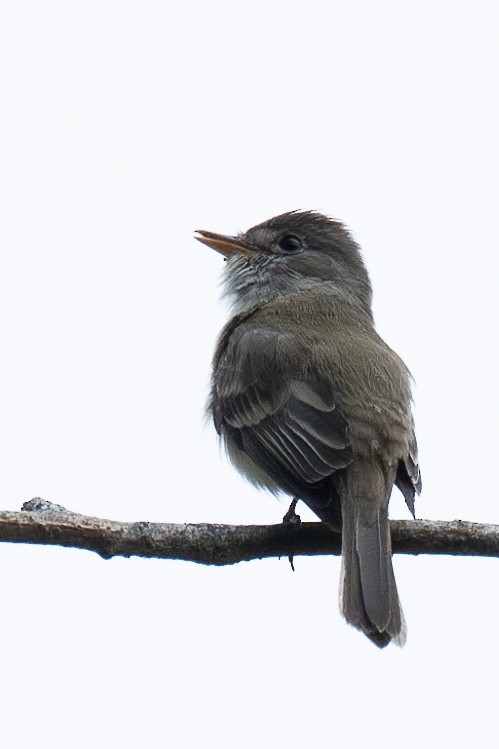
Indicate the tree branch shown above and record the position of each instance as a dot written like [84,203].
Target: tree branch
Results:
[42,522]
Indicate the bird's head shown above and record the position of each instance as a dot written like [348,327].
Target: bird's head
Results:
[289,254]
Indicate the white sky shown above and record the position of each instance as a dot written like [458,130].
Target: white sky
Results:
[124,126]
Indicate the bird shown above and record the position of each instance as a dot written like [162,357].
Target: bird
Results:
[310,401]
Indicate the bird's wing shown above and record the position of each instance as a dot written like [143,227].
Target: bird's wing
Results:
[282,416]
[408,478]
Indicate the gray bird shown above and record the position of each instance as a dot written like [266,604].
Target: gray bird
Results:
[309,400]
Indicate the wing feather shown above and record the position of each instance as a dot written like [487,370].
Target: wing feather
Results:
[289,426]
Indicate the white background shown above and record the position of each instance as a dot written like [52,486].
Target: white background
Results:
[124,127]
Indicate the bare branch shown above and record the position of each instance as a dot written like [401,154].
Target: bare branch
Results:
[42,522]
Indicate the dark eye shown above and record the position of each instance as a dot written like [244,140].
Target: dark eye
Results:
[290,243]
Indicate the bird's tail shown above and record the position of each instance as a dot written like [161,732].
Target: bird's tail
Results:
[368,592]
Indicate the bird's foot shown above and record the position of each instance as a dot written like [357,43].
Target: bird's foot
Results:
[291,516]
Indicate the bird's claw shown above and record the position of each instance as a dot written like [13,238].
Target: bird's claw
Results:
[291,516]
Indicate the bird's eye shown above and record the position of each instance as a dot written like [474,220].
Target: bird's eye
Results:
[290,243]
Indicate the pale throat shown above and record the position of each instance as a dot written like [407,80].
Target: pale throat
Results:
[251,282]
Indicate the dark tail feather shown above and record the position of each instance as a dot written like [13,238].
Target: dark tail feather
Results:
[368,594]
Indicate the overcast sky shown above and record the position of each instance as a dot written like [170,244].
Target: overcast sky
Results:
[124,126]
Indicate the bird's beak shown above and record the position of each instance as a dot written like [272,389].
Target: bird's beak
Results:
[227,246]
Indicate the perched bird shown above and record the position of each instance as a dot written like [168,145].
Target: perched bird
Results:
[309,400]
